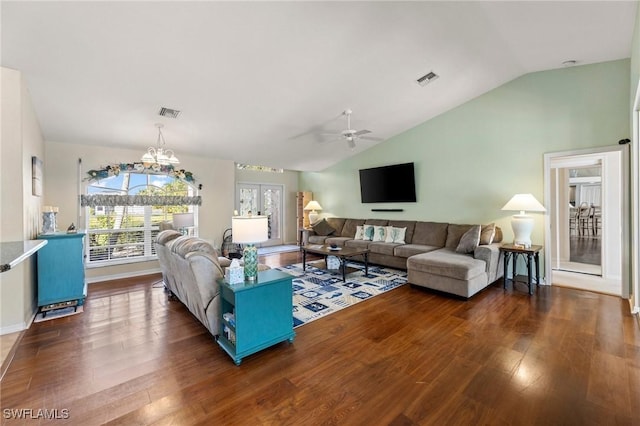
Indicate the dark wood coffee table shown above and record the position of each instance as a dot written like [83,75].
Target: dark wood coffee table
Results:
[343,253]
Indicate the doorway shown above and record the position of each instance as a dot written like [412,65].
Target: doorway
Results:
[585,219]
[585,194]
[266,200]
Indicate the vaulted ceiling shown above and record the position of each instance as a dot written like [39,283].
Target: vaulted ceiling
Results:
[266,82]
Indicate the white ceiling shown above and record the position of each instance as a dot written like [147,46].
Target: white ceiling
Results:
[260,82]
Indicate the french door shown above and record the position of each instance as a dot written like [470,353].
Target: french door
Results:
[266,200]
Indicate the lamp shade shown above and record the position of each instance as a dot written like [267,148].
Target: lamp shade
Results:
[249,229]
[313,205]
[522,224]
[182,220]
[524,202]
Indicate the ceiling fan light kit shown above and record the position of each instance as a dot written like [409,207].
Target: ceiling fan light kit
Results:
[351,135]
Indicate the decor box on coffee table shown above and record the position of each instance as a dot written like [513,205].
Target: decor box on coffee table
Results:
[341,253]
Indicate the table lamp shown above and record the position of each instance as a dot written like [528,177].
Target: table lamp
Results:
[522,224]
[249,230]
[182,221]
[313,215]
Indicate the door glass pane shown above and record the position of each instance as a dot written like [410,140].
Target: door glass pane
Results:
[272,201]
[248,201]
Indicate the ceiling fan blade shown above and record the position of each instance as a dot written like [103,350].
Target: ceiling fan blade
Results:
[330,140]
[318,130]
[371,138]
[362,132]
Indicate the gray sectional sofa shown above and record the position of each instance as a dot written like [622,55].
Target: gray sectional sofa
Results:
[430,252]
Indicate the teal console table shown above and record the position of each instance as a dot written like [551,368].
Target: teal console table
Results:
[256,315]
[61,280]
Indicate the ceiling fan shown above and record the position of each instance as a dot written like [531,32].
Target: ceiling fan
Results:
[350,135]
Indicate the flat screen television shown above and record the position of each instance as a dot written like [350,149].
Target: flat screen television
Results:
[388,184]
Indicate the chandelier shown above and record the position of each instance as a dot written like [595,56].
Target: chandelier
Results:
[159,154]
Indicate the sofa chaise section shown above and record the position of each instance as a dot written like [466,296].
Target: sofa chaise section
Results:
[447,271]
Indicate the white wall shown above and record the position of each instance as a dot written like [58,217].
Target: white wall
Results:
[11,225]
[62,184]
[20,139]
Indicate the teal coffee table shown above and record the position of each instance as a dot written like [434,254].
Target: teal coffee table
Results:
[255,314]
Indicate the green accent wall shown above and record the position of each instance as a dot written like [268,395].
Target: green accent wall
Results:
[472,159]
[635,58]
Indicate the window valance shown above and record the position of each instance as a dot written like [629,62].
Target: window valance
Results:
[138,200]
[115,169]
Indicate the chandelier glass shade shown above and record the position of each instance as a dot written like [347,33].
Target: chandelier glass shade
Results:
[159,154]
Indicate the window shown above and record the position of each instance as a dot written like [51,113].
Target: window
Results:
[254,168]
[124,213]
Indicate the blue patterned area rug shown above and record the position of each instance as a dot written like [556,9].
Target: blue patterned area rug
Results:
[319,293]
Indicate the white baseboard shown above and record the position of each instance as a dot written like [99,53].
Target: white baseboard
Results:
[13,328]
[91,280]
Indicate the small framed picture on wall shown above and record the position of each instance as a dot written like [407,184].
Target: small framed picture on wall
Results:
[36,176]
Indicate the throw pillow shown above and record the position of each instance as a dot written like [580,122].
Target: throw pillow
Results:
[399,235]
[395,235]
[498,237]
[389,235]
[469,240]
[487,233]
[368,231]
[379,233]
[322,228]
[359,233]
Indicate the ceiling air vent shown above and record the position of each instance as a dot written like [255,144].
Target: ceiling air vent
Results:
[168,112]
[427,78]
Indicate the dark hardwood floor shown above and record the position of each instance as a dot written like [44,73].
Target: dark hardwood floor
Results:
[409,356]
[586,250]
